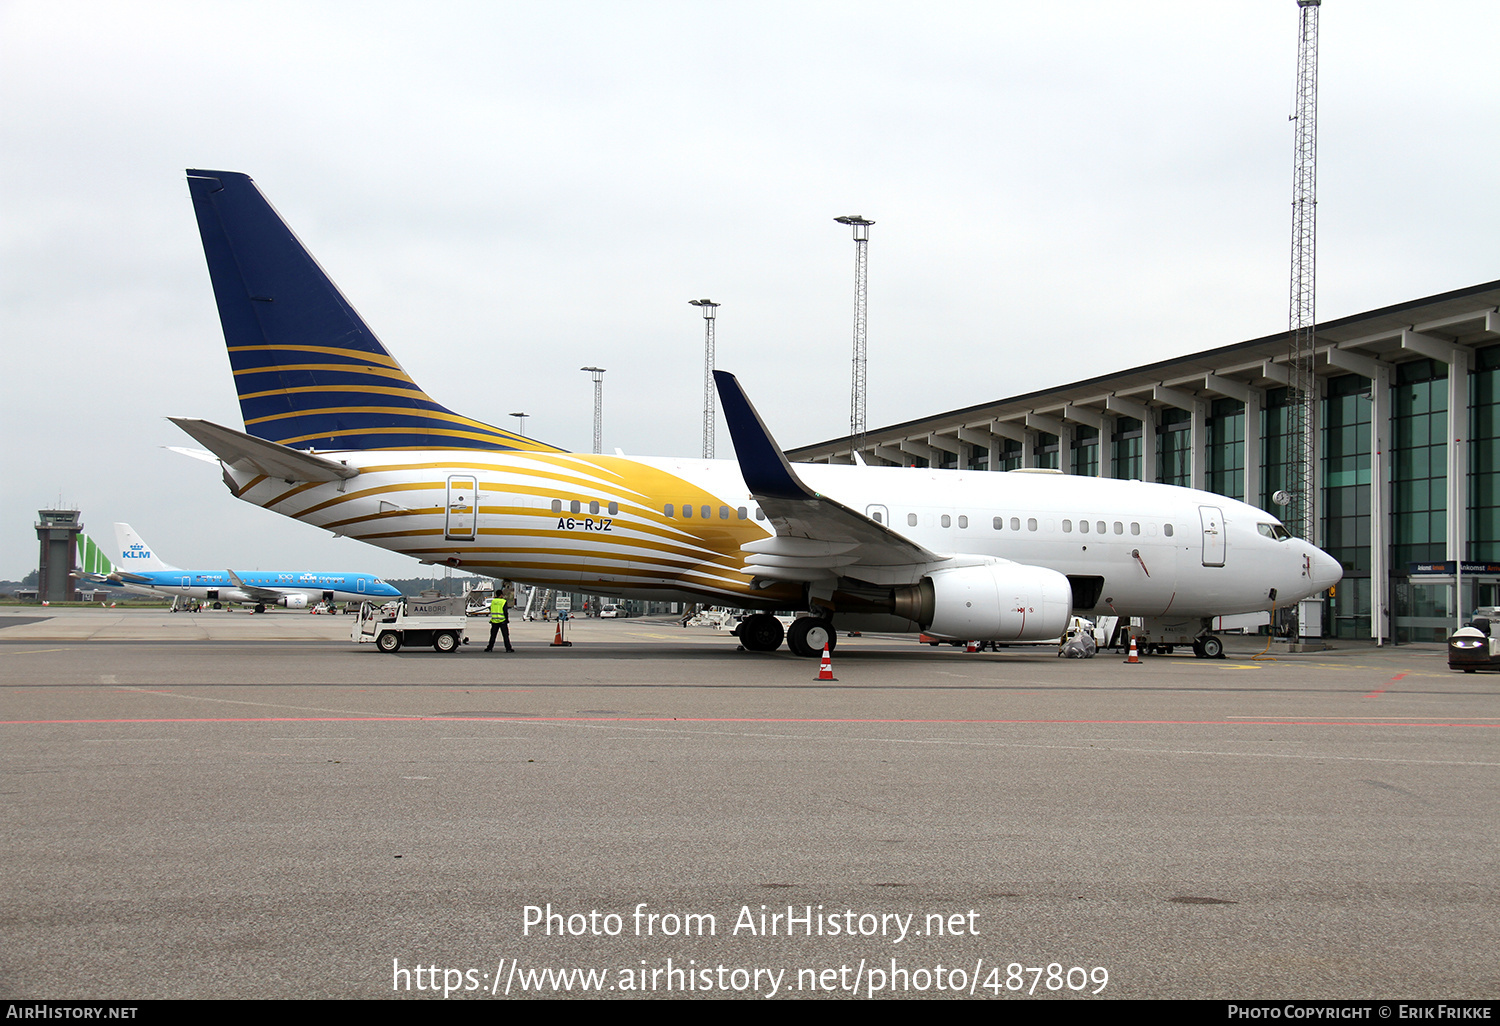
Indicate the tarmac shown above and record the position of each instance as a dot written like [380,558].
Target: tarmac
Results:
[226,805]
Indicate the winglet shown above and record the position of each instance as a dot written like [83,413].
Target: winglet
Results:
[762,463]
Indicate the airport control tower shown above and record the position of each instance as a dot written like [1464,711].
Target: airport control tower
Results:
[57,530]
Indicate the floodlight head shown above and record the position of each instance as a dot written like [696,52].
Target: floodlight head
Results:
[860,224]
[706,305]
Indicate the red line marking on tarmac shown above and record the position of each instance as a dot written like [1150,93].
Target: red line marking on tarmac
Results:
[1381,691]
[745,719]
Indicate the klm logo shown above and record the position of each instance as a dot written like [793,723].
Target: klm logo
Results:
[137,552]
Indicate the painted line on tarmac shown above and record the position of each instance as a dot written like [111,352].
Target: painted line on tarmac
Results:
[378,718]
[1383,690]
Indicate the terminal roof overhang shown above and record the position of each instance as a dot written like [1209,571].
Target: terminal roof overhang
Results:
[1420,329]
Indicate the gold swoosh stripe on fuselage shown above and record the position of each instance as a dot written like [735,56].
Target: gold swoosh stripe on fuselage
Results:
[656,524]
[635,548]
[739,582]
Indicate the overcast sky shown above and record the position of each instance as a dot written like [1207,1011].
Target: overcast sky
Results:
[510,191]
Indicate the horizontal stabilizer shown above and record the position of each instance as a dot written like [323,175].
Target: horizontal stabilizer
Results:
[197,454]
[246,452]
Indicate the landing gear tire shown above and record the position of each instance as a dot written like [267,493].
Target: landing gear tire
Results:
[1208,647]
[761,633]
[260,607]
[446,641]
[218,605]
[807,636]
[390,641]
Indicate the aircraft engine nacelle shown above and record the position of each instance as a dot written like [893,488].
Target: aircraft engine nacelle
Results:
[294,601]
[998,602]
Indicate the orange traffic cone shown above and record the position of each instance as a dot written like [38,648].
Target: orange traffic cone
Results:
[825,671]
[973,646]
[557,639]
[1134,658]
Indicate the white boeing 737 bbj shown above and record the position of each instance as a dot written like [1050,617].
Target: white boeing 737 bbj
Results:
[338,436]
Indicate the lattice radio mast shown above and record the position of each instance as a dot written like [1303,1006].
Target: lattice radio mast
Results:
[861,228]
[598,375]
[708,306]
[1302,320]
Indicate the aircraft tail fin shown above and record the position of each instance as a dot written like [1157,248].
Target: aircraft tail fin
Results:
[92,559]
[135,554]
[309,371]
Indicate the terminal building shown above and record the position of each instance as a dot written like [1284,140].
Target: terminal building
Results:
[1407,442]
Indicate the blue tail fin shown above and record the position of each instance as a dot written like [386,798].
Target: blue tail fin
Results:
[309,372]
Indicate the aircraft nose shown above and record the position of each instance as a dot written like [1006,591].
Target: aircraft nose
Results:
[1324,570]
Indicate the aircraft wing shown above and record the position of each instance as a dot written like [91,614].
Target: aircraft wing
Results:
[811,528]
[246,452]
[257,593]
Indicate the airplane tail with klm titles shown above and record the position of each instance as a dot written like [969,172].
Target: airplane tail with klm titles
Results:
[135,554]
[309,371]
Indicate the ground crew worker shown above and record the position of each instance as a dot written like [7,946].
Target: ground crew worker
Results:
[499,621]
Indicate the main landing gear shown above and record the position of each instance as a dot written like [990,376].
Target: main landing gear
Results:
[761,633]
[807,636]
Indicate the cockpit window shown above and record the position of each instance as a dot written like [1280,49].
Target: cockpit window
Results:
[1275,531]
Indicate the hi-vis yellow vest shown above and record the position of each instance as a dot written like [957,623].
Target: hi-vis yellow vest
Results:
[497,610]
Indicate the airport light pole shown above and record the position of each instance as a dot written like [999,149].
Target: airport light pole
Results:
[708,306]
[598,373]
[521,423]
[861,228]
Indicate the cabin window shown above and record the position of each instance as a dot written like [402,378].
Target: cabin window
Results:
[1119,527]
[614,508]
[707,511]
[999,523]
[1015,523]
[1166,529]
[1067,527]
[687,511]
[557,506]
[723,512]
[575,506]
[1135,528]
[1083,527]
[947,520]
[878,517]
[1101,527]
[760,514]
[1031,524]
[742,512]
[963,523]
[911,520]
[594,507]
[668,509]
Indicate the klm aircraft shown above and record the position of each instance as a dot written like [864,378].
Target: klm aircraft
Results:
[339,436]
[142,571]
